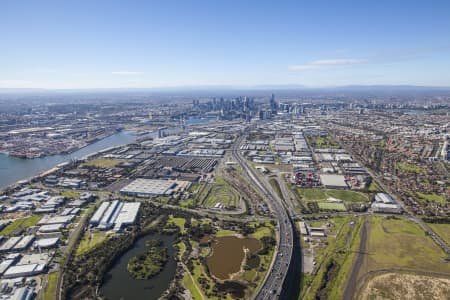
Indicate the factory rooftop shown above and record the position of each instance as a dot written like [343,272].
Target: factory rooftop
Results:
[333,181]
[149,188]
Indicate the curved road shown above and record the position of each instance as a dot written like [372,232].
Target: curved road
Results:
[273,283]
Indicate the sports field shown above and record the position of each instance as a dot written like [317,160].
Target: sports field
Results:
[332,206]
[320,194]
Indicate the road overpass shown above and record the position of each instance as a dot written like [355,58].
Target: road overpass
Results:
[272,286]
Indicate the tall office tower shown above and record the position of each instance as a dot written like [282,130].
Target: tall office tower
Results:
[273,104]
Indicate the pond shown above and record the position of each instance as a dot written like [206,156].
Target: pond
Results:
[120,284]
[228,254]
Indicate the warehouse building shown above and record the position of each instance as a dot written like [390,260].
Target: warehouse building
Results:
[333,181]
[303,228]
[5,264]
[24,243]
[110,215]
[383,198]
[24,270]
[95,220]
[149,188]
[51,228]
[10,243]
[127,215]
[49,220]
[386,208]
[46,243]
[115,214]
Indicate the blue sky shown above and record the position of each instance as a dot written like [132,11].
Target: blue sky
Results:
[117,44]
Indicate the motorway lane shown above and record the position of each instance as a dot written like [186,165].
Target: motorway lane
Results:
[273,283]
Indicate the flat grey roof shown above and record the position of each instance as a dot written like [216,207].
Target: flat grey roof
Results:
[148,186]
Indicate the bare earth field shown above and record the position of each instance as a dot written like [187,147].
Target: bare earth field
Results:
[395,246]
[406,286]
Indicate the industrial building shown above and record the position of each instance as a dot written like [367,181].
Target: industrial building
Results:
[24,270]
[95,220]
[383,198]
[49,220]
[386,208]
[333,181]
[149,188]
[385,204]
[17,243]
[127,215]
[24,243]
[10,243]
[51,228]
[115,214]
[303,228]
[46,243]
[110,215]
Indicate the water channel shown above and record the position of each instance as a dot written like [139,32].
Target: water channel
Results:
[13,169]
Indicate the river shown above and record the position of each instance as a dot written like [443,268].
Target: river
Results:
[13,169]
[120,285]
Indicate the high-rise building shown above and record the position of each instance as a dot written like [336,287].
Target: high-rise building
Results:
[273,104]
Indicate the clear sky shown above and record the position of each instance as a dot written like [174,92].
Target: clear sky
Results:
[116,44]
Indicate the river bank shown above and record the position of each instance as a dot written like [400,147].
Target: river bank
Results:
[13,170]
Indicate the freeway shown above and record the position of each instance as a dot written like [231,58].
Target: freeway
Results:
[272,285]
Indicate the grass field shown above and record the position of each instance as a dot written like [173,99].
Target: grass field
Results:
[410,168]
[225,232]
[332,206]
[50,291]
[312,194]
[431,198]
[400,243]
[262,232]
[194,188]
[348,196]
[179,222]
[373,187]
[193,288]
[320,194]
[102,163]
[340,248]
[320,142]
[181,248]
[224,194]
[274,183]
[19,224]
[70,194]
[189,203]
[89,241]
[442,230]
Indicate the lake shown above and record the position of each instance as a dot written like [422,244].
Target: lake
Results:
[120,285]
[228,253]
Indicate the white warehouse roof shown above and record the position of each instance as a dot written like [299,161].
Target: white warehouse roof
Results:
[150,187]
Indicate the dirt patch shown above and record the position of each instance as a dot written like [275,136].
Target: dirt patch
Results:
[406,286]
[358,262]
[308,261]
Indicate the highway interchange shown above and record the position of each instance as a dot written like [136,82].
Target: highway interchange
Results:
[273,283]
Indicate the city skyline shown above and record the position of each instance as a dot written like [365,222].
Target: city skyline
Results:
[109,44]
